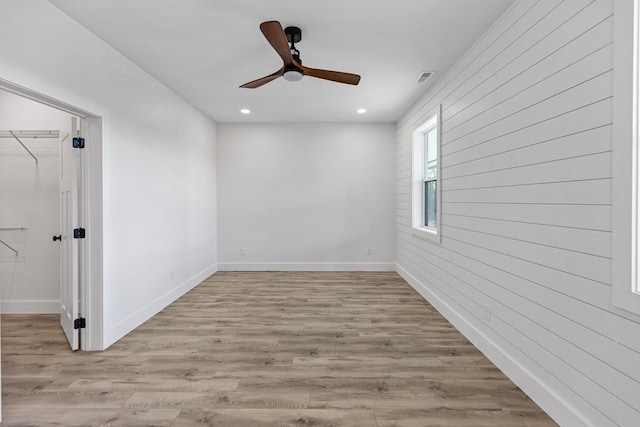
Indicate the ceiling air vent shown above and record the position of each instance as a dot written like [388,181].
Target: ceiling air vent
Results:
[423,77]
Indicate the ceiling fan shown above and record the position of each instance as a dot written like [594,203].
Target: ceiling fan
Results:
[293,70]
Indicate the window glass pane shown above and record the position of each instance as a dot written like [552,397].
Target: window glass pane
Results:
[425,173]
[431,153]
[430,204]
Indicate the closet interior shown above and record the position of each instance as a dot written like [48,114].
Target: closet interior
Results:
[30,138]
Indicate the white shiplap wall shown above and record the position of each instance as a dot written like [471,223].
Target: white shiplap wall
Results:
[526,210]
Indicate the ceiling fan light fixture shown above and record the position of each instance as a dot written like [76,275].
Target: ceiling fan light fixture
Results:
[293,75]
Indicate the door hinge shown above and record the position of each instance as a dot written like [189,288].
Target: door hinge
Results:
[79,233]
[78,142]
[79,323]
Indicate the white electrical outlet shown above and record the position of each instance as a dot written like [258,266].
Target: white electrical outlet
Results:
[243,251]
[369,251]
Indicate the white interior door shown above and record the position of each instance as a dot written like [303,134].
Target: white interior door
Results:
[69,208]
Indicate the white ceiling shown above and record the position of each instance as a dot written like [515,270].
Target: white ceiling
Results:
[205,49]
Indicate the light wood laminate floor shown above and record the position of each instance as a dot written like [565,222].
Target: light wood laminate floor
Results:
[266,349]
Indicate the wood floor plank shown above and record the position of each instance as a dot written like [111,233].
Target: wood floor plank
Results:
[275,417]
[266,349]
[83,417]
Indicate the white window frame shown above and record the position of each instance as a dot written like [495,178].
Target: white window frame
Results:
[419,230]
[625,289]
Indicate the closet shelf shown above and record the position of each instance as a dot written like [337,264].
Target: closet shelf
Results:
[4,243]
[32,135]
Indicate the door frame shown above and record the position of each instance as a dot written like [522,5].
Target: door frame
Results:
[90,254]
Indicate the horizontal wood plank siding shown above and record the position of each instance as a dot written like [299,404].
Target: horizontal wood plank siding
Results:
[524,265]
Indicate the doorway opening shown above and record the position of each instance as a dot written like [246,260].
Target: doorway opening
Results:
[35,209]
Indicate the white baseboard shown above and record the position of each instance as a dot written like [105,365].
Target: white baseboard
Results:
[306,266]
[30,307]
[538,390]
[136,319]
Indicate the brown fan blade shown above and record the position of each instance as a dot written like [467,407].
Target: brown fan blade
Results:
[335,76]
[264,80]
[276,37]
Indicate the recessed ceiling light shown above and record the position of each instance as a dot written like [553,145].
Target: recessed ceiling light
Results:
[361,110]
[245,111]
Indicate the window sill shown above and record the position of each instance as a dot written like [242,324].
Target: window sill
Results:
[426,234]
[624,299]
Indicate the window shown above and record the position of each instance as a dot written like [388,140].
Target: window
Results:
[426,179]
[625,289]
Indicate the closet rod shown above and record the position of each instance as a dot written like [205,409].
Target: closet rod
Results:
[25,147]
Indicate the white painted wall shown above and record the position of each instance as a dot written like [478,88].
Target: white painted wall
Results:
[158,159]
[306,196]
[30,198]
[526,210]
